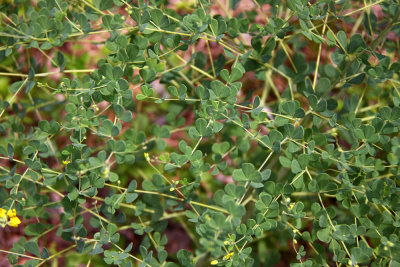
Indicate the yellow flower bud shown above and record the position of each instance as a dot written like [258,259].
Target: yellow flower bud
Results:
[95,107]
[106,172]
[2,213]
[14,222]
[214,262]
[12,213]
[228,256]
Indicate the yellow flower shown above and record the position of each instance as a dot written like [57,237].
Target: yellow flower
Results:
[14,222]
[106,172]
[2,213]
[12,213]
[65,162]
[291,206]
[214,262]
[228,256]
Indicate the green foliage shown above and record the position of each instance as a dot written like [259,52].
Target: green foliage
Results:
[251,129]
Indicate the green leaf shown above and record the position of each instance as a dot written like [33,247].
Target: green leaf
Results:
[236,74]
[115,131]
[45,253]
[214,27]
[127,116]
[225,75]
[292,5]
[33,248]
[73,194]
[295,166]
[132,186]
[10,150]
[323,86]
[140,96]
[130,197]
[16,86]
[285,162]
[156,16]
[342,37]
[103,4]
[289,107]
[117,72]
[238,176]
[264,201]
[201,126]
[148,185]
[217,126]
[324,235]
[173,91]
[184,258]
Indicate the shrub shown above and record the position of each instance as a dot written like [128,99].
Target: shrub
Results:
[241,133]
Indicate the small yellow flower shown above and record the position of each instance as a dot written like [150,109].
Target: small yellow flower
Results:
[214,262]
[146,156]
[291,206]
[65,162]
[14,222]
[228,256]
[2,213]
[12,213]
[172,189]
[95,107]
[106,172]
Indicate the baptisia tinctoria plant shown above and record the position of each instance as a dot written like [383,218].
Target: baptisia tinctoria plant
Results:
[198,133]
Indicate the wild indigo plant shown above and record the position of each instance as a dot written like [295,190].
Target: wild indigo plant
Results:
[227,133]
